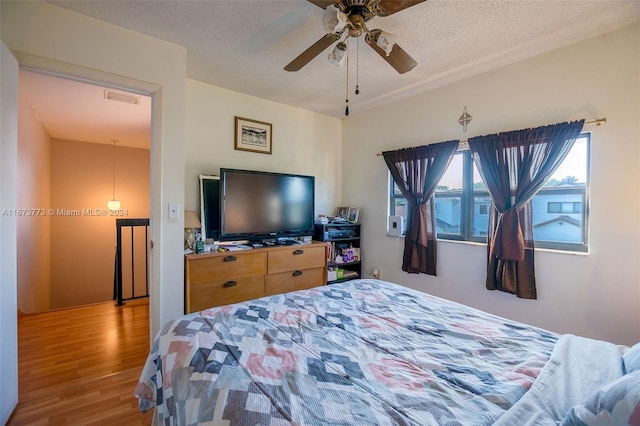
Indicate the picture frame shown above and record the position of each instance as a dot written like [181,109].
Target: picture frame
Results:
[342,212]
[252,135]
[353,214]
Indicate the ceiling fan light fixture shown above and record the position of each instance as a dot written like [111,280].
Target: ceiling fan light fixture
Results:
[333,20]
[338,55]
[386,41]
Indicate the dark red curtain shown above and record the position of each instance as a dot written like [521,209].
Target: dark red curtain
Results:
[514,166]
[417,171]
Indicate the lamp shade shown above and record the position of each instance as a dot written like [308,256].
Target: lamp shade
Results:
[191,219]
[333,20]
[386,41]
[113,204]
[338,55]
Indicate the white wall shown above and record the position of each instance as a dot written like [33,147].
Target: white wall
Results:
[34,192]
[40,34]
[596,295]
[8,250]
[303,142]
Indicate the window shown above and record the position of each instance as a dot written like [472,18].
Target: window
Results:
[560,213]
[564,207]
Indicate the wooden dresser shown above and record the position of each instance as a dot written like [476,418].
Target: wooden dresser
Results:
[214,279]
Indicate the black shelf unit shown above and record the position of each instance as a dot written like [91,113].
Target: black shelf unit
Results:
[343,242]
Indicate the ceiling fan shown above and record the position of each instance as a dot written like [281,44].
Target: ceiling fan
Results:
[349,16]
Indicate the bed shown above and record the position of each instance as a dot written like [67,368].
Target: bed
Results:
[370,352]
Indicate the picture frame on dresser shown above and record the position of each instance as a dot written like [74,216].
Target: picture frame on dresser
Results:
[353,215]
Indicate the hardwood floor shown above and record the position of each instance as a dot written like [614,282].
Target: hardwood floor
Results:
[80,366]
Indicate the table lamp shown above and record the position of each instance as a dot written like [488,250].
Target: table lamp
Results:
[191,223]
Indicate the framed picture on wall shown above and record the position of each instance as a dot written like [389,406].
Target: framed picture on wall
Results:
[253,136]
[353,214]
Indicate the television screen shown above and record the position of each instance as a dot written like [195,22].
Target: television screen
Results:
[261,205]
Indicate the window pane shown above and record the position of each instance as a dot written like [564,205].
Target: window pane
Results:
[478,183]
[452,179]
[400,207]
[448,211]
[558,208]
[573,170]
[481,210]
[396,190]
[557,216]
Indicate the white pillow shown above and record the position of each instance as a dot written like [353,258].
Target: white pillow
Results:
[631,359]
[617,403]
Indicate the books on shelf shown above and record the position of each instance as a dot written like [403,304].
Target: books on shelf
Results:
[342,253]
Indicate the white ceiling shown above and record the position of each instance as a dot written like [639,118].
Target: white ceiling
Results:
[73,110]
[243,45]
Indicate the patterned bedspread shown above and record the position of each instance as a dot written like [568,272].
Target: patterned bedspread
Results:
[364,352]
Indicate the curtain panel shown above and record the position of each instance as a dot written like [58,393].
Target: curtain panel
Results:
[417,171]
[514,166]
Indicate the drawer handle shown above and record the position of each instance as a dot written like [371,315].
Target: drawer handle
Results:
[230,283]
[296,252]
[230,259]
[297,273]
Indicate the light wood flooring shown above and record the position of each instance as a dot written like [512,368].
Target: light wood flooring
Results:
[80,366]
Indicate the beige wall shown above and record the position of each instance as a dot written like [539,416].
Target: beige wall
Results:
[34,231]
[303,142]
[83,243]
[597,294]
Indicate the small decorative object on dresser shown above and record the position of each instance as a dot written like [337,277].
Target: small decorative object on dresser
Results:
[254,136]
[354,212]
[342,212]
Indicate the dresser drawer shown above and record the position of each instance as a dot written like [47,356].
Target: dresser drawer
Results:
[299,279]
[295,258]
[217,293]
[225,267]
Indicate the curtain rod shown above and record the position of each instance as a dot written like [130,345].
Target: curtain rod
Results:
[597,122]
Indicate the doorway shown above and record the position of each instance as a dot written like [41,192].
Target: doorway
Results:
[67,171]
[82,144]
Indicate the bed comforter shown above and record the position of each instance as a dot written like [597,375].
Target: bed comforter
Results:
[364,352]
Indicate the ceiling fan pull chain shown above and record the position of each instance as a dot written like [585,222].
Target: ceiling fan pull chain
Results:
[346,109]
[357,65]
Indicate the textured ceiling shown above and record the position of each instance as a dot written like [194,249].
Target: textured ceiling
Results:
[243,45]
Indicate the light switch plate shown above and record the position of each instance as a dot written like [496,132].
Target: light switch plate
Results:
[174,211]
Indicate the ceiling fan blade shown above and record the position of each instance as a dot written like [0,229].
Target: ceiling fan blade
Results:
[398,58]
[323,4]
[314,50]
[389,7]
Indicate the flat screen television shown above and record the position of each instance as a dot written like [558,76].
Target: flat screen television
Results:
[258,205]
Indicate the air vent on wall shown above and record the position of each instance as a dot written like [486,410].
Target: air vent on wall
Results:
[121,97]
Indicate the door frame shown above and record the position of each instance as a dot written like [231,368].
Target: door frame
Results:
[131,85]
